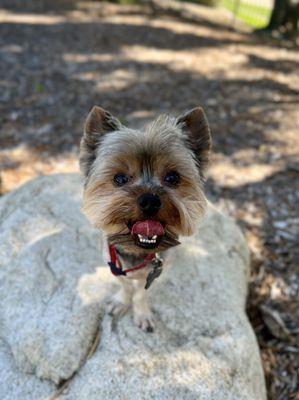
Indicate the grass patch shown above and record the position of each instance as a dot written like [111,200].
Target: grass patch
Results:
[251,14]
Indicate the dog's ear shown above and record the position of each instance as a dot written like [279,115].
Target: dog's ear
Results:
[98,123]
[197,134]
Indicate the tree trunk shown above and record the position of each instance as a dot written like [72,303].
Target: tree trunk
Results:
[284,17]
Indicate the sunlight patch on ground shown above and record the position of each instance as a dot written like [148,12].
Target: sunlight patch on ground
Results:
[30,19]
[116,80]
[212,62]
[21,164]
[79,58]
[228,173]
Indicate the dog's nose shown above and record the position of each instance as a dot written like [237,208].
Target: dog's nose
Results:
[149,204]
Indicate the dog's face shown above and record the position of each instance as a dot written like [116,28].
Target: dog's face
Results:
[144,188]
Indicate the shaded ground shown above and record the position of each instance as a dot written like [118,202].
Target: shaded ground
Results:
[58,61]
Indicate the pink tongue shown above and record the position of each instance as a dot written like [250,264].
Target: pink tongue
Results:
[147,228]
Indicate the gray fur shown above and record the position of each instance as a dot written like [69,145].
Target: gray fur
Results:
[164,133]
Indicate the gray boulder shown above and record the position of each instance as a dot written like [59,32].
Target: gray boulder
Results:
[53,287]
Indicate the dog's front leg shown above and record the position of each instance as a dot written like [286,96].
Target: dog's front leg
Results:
[143,316]
[122,300]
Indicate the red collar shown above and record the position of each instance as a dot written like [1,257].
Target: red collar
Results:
[115,264]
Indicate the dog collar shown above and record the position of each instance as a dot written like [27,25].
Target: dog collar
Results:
[153,259]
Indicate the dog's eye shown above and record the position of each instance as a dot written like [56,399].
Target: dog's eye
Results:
[120,179]
[172,179]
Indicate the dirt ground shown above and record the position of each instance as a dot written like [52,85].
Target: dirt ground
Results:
[60,58]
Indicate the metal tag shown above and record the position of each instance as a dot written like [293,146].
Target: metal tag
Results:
[156,265]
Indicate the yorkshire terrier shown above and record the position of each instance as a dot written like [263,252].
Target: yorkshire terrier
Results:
[144,189]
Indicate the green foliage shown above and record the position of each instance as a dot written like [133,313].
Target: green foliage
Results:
[254,15]
[257,16]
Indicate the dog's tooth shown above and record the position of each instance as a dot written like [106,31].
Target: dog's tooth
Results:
[154,237]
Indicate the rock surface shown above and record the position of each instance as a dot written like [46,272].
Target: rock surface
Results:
[53,286]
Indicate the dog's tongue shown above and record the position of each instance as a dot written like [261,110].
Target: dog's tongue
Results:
[147,228]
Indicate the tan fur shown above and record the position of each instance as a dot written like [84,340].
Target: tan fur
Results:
[145,156]
[162,149]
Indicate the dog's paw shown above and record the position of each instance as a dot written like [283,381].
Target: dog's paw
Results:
[115,308]
[145,322]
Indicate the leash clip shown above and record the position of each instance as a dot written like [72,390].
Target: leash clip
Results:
[156,265]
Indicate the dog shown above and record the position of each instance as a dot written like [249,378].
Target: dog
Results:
[144,189]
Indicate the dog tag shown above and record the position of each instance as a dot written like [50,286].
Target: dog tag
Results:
[156,265]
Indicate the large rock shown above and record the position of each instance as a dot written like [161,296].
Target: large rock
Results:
[53,285]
